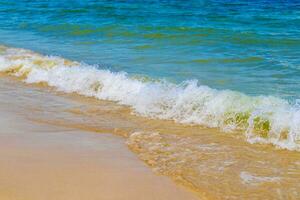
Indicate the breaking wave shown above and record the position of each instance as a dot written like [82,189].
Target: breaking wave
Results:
[262,119]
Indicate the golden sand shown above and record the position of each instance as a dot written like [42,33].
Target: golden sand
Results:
[47,162]
[214,164]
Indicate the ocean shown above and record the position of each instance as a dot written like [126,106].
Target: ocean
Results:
[233,66]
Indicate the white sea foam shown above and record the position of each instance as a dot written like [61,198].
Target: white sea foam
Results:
[263,119]
[248,178]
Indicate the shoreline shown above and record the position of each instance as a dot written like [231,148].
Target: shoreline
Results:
[212,164]
[42,161]
[257,119]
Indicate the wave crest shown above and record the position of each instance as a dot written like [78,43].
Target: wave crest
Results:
[263,119]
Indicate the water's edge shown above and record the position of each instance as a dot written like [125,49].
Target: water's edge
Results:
[262,119]
[216,165]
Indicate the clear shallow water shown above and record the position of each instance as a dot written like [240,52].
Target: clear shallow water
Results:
[251,47]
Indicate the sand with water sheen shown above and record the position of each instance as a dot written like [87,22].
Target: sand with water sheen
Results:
[42,161]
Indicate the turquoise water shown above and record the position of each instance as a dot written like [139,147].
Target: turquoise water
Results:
[251,47]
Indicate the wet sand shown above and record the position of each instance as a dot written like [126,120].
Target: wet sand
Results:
[41,161]
[213,164]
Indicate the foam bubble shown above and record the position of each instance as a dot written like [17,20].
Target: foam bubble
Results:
[248,178]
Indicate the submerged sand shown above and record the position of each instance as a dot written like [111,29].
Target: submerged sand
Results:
[215,165]
[42,161]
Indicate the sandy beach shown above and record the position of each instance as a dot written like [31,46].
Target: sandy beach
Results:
[149,100]
[59,145]
[39,161]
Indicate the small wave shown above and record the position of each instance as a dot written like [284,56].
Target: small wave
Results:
[263,119]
